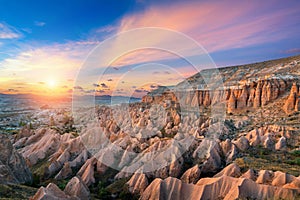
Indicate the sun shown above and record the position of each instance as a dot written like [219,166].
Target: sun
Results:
[51,83]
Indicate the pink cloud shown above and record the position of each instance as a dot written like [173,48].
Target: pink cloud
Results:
[214,24]
[217,25]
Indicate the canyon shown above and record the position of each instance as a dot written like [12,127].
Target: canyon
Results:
[237,139]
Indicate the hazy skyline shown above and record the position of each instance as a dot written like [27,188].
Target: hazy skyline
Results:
[43,44]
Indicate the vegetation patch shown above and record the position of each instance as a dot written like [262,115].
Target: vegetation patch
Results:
[18,192]
[246,163]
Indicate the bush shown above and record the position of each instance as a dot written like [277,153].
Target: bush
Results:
[294,162]
[103,193]
[296,153]
[62,184]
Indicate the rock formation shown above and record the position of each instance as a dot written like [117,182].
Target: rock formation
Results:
[255,94]
[76,188]
[227,185]
[231,170]
[191,175]
[138,183]
[51,192]
[243,98]
[292,102]
[13,168]
[232,103]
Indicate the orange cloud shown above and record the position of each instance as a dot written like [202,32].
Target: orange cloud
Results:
[217,25]
[51,63]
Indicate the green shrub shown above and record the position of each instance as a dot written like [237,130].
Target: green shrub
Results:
[296,161]
[296,153]
[62,184]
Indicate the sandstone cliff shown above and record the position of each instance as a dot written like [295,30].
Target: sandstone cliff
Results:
[292,103]
[253,95]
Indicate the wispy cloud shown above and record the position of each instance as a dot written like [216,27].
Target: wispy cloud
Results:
[39,23]
[8,32]
[106,29]
[215,25]
[294,50]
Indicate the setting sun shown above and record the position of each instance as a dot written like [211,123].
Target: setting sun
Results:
[51,83]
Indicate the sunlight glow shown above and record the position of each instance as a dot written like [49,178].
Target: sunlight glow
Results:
[51,83]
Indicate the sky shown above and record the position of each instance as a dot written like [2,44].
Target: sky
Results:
[45,44]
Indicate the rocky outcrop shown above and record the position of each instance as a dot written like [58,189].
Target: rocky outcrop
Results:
[297,105]
[243,98]
[60,152]
[224,187]
[228,184]
[76,188]
[250,100]
[13,168]
[87,171]
[65,172]
[232,103]
[42,143]
[265,177]
[51,192]
[229,150]
[214,161]
[138,183]
[292,103]
[255,94]
[250,174]
[280,179]
[271,137]
[231,170]
[281,144]
[242,143]
[191,175]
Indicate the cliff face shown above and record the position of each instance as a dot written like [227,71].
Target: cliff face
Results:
[256,94]
[292,103]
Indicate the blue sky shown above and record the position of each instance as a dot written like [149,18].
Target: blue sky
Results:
[61,20]
[40,40]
